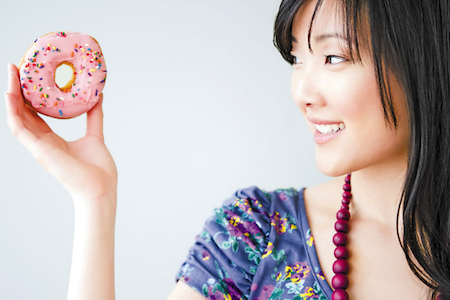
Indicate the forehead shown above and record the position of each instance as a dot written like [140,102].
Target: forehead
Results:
[326,20]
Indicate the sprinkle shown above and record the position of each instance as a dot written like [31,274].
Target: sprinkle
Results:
[49,88]
[82,49]
[35,40]
[75,50]
[40,78]
[62,98]
[54,48]
[76,45]
[89,74]
[48,45]
[42,65]
[55,104]
[73,95]
[40,89]
[71,54]
[46,95]
[86,45]
[92,70]
[60,112]
[96,91]
[34,87]
[81,71]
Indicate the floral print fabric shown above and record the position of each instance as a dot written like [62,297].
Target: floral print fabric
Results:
[257,246]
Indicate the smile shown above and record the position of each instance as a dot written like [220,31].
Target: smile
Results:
[329,128]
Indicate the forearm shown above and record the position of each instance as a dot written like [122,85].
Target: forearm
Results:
[92,271]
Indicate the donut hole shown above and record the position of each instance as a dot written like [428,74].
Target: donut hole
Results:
[65,76]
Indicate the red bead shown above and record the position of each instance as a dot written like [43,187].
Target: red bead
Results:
[347,195]
[347,178]
[339,281]
[340,295]
[343,214]
[345,201]
[345,206]
[340,239]
[341,266]
[347,187]
[341,226]
[341,252]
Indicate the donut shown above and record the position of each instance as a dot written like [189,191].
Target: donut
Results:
[37,70]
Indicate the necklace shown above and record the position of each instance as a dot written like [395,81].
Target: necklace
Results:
[341,266]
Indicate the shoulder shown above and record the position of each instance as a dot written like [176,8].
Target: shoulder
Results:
[239,235]
[262,207]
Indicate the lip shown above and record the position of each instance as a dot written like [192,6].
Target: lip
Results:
[322,121]
[321,138]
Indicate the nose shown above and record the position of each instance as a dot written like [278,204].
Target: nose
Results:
[305,88]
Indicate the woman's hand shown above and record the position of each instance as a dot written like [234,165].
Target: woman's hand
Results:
[84,167]
[87,171]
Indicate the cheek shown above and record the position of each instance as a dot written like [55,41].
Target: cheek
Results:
[357,98]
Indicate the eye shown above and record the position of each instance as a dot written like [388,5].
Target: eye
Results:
[333,59]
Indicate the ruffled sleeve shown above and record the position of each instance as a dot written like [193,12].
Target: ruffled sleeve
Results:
[226,255]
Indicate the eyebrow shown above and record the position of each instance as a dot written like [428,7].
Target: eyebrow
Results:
[320,38]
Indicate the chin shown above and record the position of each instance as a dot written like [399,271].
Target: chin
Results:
[332,168]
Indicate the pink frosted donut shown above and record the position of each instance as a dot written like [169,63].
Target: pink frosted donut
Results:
[37,70]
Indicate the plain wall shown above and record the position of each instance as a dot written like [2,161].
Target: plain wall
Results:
[197,105]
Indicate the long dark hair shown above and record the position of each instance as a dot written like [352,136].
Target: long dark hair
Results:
[411,41]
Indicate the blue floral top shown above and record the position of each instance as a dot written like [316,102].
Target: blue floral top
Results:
[257,246]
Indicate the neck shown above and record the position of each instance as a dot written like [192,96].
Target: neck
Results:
[377,192]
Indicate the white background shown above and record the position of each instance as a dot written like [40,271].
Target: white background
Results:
[197,105]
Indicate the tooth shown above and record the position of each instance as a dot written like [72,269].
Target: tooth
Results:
[328,128]
[335,127]
[341,126]
[322,128]
[318,127]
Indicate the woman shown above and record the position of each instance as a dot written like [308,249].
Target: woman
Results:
[371,78]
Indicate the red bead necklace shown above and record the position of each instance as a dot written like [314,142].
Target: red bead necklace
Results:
[341,266]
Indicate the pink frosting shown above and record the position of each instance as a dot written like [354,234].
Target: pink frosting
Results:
[37,74]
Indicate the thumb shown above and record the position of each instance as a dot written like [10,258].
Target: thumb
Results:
[95,120]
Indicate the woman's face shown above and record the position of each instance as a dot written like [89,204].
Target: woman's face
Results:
[340,99]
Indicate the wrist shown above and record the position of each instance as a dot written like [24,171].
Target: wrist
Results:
[102,203]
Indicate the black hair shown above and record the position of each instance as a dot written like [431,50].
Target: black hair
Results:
[411,41]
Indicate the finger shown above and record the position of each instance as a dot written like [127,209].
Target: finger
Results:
[16,124]
[13,82]
[26,114]
[95,120]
